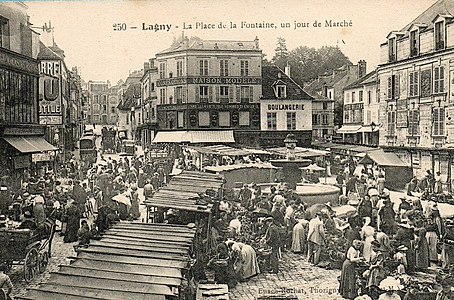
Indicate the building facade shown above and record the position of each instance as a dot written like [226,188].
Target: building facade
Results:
[284,108]
[103,100]
[416,91]
[210,86]
[22,143]
[148,106]
[361,111]
[322,118]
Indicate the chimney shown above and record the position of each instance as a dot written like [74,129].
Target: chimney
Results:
[186,42]
[287,70]
[362,68]
[256,41]
[146,66]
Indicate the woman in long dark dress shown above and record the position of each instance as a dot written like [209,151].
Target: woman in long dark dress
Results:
[347,287]
[73,222]
[422,249]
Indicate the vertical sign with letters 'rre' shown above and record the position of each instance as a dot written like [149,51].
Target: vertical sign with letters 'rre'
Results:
[50,100]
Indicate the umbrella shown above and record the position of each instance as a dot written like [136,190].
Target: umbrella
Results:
[122,198]
[390,284]
[261,212]
[313,167]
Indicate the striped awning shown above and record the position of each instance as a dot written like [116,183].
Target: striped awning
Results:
[29,144]
[195,137]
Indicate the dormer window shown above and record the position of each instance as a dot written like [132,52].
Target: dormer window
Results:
[281,91]
[392,49]
[414,43]
[439,35]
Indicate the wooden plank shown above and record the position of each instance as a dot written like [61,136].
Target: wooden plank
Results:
[145,254]
[119,259]
[160,226]
[152,237]
[110,284]
[177,235]
[171,272]
[138,247]
[183,244]
[73,270]
[135,242]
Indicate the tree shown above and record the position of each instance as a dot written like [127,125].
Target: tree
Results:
[281,54]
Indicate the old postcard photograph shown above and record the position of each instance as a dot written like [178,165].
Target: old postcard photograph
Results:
[216,150]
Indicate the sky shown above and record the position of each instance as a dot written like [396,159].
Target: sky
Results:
[85,29]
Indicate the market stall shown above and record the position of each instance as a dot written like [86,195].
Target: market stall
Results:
[131,261]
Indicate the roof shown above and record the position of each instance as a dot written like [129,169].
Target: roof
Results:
[217,45]
[382,158]
[195,136]
[130,96]
[369,78]
[441,7]
[271,76]
[182,192]
[130,261]
[326,80]
[300,152]
[46,53]
[226,168]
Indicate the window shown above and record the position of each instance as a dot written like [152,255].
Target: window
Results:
[413,122]
[153,114]
[324,119]
[439,80]
[360,96]
[112,110]
[4,33]
[353,97]
[414,84]
[203,94]
[162,96]
[414,43]
[314,120]
[325,106]
[204,118]
[180,119]
[224,67]
[369,97]
[244,118]
[391,123]
[393,87]
[438,121]
[96,99]
[378,91]
[224,119]
[180,68]
[224,94]
[203,63]
[291,120]
[244,68]
[281,91]
[162,70]
[439,29]
[392,50]
[346,116]
[271,120]
[152,86]
[104,99]
[245,94]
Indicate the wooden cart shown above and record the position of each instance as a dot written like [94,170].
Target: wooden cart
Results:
[30,248]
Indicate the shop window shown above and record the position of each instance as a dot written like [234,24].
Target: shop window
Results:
[204,118]
[180,119]
[271,120]
[244,119]
[224,119]
[291,120]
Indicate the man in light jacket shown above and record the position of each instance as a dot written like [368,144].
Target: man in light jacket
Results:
[315,238]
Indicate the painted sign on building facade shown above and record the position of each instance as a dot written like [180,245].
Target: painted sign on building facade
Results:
[50,94]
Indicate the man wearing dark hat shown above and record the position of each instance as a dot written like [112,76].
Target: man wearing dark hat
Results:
[272,239]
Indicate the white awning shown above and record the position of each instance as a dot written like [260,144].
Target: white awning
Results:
[194,137]
[30,144]
[349,129]
[368,128]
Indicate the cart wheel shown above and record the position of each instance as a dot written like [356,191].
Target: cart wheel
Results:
[31,264]
[43,261]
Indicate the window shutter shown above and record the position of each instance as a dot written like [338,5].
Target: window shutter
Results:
[175,96]
[231,95]
[251,94]
[197,93]
[238,94]
[390,86]
[436,82]
[217,94]
[184,95]
[397,86]
[210,94]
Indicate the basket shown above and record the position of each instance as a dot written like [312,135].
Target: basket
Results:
[220,262]
[264,251]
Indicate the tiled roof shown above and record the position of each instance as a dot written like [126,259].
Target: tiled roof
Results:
[326,80]
[130,97]
[213,45]
[47,53]
[270,76]
[441,7]
[366,79]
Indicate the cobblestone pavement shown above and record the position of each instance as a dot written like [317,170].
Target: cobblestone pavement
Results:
[296,276]
[60,252]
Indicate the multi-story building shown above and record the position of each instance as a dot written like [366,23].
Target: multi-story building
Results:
[22,142]
[331,86]
[284,108]
[129,106]
[211,87]
[149,102]
[417,92]
[74,112]
[99,100]
[361,111]
[322,118]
